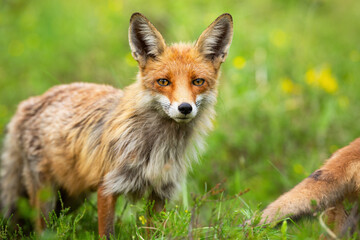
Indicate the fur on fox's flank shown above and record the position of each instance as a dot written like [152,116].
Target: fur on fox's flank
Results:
[82,137]
[325,189]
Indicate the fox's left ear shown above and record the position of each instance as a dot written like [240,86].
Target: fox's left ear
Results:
[215,41]
[145,40]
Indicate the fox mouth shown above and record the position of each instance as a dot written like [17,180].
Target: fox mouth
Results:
[182,119]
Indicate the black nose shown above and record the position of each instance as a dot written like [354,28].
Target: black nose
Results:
[185,108]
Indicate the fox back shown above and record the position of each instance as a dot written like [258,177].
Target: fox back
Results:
[80,137]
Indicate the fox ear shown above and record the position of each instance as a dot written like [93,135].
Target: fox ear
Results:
[145,40]
[215,41]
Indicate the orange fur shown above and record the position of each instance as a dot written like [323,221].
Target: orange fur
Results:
[178,64]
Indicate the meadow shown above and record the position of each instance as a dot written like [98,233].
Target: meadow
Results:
[288,98]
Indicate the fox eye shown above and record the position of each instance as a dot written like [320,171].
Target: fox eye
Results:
[163,82]
[198,82]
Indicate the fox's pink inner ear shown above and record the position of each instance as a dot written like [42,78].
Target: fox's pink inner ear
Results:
[145,40]
[215,41]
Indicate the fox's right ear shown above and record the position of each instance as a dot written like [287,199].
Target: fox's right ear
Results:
[145,40]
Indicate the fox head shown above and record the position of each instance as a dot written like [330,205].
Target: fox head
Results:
[181,78]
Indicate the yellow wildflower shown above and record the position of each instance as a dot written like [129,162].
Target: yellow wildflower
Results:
[311,77]
[142,219]
[322,78]
[279,38]
[288,86]
[327,81]
[239,62]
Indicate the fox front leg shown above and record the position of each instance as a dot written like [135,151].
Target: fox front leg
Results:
[106,213]
[157,203]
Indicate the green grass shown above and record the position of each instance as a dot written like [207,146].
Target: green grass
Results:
[288,98]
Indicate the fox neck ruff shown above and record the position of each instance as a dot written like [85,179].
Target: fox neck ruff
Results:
[149,150]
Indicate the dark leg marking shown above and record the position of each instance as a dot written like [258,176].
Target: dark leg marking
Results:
[316,175]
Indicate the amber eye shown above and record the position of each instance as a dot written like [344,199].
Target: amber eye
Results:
[198,82]
[163,82]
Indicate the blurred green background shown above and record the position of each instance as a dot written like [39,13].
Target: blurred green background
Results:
[289,89]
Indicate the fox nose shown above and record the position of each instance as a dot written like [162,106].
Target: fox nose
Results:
[185,108]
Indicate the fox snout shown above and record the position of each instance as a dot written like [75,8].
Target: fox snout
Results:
[180,111]
[183,112]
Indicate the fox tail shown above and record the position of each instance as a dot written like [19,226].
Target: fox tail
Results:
[11,186]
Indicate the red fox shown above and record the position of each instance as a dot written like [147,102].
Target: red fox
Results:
[325,189]
[82,137]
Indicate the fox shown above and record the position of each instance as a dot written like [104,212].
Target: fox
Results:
[324,190]
[137,142]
